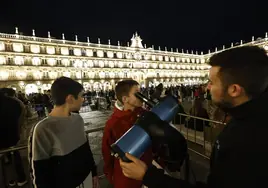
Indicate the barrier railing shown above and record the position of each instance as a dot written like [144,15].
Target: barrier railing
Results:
[23,147]
[200,132]
[200,138]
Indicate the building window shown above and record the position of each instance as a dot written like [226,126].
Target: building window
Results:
[17,47]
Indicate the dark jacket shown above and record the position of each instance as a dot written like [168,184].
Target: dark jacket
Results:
[10,113]
[240,154]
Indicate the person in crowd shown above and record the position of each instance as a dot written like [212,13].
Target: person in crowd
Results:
[47,101]
[199,111]
[10,113]
[239,86]
[179,119]
[59,151]
[158,92]
[126,112]
[12,93]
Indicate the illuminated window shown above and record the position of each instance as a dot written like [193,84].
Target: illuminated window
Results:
[100,53]
[77,52]
[89,52]
[119,55]
[36,61]
[17,47]
[50,50]
[2,46]
[19,60]
[166,58]
[51,61]
[35,49]
[110,54]
[2,60]
[64,51]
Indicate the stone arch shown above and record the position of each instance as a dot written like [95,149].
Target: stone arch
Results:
[107,86]
[31,88]
[97,86]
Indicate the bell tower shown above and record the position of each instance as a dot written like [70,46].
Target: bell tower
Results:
[136,41]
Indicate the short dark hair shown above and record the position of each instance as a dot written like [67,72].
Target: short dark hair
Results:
[8,92]
[246,66]
[62,87]
[123,88]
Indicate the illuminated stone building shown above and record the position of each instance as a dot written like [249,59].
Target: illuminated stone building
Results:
[31,63]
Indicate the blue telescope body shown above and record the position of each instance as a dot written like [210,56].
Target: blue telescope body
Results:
[152,128]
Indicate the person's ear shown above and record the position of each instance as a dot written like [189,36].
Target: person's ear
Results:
[124,99]
[235,90]
[69,99]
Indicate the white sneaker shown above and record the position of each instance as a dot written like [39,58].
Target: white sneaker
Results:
[20,184]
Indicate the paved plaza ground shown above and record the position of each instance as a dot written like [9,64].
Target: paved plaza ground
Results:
[95,119]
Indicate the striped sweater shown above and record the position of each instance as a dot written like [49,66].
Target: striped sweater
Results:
[59,153]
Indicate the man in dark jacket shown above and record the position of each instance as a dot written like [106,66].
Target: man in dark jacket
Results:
[10,115]
[238,84]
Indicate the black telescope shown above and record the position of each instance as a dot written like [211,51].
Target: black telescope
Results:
[152,129]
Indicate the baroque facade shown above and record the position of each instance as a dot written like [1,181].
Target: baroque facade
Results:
[30,63]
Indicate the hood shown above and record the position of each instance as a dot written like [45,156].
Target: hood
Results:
[119,111]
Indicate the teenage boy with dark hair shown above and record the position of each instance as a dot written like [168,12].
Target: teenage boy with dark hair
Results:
[120,122]
[59,152]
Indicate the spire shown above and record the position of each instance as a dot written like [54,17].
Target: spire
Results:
[177,50]
[159,48]
[165,48]
[88,41]
[118,43]
[153,47]
[223,47]
[171,49]
[209,51]
[192,52]
[216,49]
[187,51]
[49,36]
[232,44]
[182,51]
[196,52]
[202,52]
[16,30]
[76,39]
[266,35]
[63,36]
[109,42]
[127,44]
[253,39]
[99,41]
[145,46]
[241,42]
[33,32]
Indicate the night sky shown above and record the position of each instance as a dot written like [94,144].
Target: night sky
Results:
[189,24]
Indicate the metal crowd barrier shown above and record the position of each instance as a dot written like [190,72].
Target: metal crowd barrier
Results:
[22,147]
[200,138]
[93,103]
[201,133]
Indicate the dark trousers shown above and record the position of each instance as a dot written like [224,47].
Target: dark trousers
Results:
[15,159]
